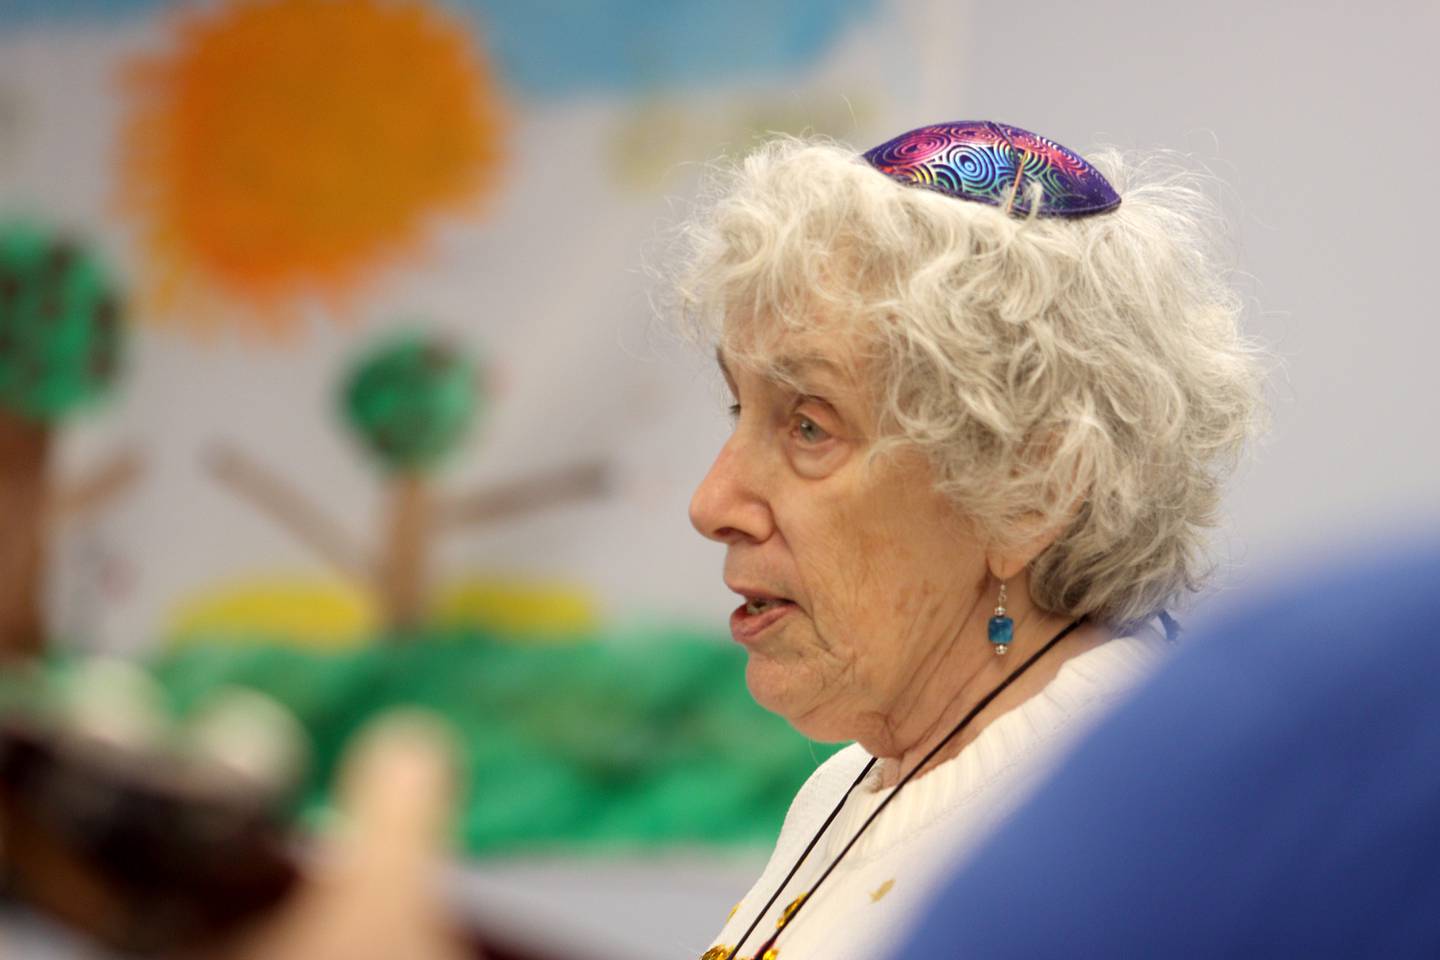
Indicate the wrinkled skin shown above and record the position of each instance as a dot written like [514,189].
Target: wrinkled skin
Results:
[886,640]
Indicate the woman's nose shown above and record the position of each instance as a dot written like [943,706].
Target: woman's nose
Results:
[727,506]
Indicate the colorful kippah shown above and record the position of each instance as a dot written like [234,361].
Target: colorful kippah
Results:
[995,163]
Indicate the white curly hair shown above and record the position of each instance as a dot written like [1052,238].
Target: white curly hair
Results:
[1086,375]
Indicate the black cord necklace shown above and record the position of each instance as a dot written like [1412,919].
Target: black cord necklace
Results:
[767,949]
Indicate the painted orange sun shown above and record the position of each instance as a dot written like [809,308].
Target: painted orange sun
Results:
[284,151]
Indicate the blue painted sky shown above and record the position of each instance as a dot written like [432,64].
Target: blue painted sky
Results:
[557,48]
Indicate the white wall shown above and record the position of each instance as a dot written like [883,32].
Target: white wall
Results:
[1321,118]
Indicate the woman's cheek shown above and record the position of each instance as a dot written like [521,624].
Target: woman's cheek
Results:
[837,618]
[817,466]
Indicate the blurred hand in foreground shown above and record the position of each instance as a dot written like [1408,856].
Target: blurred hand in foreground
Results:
[370,893]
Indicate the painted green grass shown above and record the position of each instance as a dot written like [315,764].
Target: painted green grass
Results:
[603,742]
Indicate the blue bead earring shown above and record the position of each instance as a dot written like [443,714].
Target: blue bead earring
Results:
[1002,628]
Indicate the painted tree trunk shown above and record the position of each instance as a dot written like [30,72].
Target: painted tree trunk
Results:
[403,570]
[24,455]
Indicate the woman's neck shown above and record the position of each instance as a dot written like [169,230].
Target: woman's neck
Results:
[936,703]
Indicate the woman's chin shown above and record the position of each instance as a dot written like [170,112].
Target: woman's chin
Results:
[778,688]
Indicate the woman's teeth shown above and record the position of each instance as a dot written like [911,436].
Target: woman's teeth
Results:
[759,606]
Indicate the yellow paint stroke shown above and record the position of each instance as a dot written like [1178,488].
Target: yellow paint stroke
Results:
[318,614]
[325,614]
[879,894]
[282,151]
[517,606]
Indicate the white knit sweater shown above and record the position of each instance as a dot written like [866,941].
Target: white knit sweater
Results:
[868,904]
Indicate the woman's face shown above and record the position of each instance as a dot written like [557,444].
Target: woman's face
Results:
[859,575]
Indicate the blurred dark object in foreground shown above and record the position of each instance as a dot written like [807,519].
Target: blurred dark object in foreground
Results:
[147,851]
[144,856]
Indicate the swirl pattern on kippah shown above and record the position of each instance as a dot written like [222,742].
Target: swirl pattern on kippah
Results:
[991,163]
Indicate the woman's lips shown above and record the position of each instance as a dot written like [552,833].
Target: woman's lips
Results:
[746,627]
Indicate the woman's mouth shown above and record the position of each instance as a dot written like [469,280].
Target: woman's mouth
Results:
[757,615]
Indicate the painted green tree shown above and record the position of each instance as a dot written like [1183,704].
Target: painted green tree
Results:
[61,334]
[411,403]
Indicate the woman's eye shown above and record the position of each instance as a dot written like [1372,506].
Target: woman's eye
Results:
[734,410]
[809,431]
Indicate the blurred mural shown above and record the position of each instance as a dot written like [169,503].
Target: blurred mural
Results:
[277,187]
[60,338]
[289,150]
[396,421]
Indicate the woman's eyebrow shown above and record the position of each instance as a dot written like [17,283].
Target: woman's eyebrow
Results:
[805,369]
[805,361]
[799,372]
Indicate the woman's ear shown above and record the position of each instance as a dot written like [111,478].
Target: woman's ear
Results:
[1006,562]
[1038,530]
[1005,565]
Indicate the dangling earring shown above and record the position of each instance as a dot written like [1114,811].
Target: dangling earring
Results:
[1002,628]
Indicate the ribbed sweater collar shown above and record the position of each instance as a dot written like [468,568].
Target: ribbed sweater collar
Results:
[1080,686]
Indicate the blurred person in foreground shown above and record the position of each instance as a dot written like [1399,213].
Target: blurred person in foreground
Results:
[1273,792]
[985,396]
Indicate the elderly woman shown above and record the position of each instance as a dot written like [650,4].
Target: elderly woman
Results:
[984,399]
[983,406]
